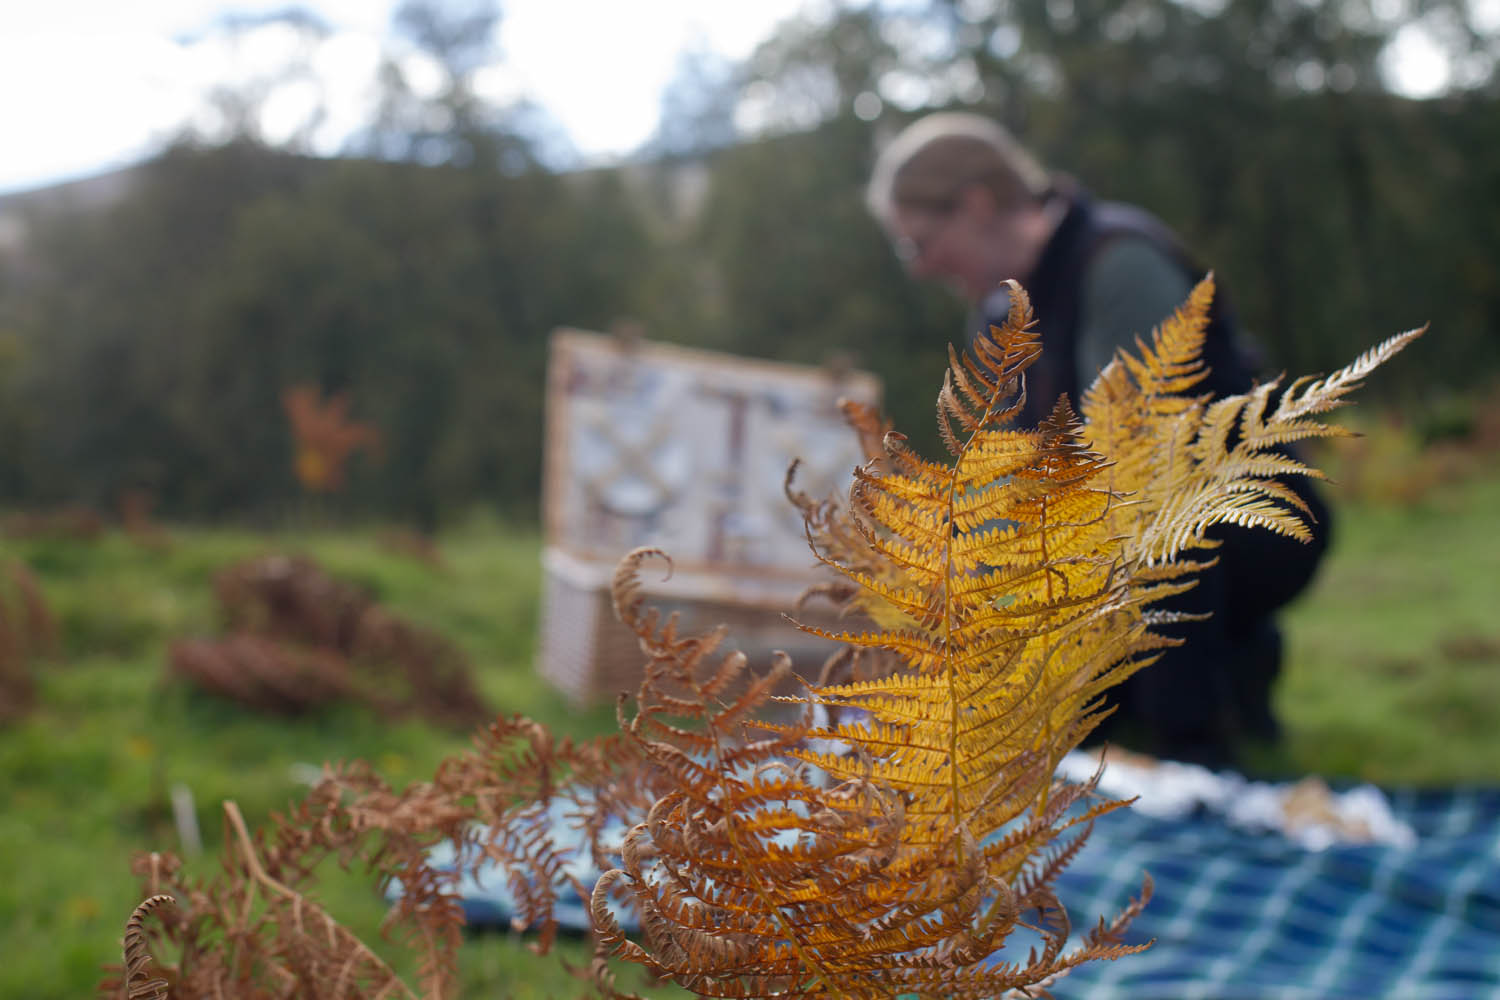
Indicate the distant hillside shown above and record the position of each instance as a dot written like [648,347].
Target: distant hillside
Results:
[677,187]
[98,191]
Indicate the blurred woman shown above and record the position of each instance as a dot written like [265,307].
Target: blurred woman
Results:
[966,204]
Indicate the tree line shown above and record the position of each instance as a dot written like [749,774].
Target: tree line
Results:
[147,345]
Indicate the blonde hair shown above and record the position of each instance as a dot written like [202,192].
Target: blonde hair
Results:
[934,159]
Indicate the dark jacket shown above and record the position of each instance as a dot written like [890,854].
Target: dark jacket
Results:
[1055,286]
[1202,696]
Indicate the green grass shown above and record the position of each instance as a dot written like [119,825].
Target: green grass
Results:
[86,776]
[1393,676]
[1394,665]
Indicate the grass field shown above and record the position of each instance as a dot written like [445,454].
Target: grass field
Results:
[1393,676]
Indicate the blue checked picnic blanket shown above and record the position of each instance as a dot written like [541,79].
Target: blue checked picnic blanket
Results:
[1240,914]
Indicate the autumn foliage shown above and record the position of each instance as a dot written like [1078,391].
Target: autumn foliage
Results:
[898,830]
[324,437]
[28,631]
[298,639]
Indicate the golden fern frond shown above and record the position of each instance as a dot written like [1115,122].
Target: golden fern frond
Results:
[854,858]
[1006,559]
[1173,362]
[889,841]
[1306,396]
[1188,463]
[898,831]
[975,384]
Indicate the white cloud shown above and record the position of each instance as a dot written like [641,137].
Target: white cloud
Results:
[422,74]
[606,78]
[600,68]
[90,84]
[75,102]
[346,64]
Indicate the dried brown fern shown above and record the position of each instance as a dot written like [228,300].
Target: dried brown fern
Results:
[135,507]
[134,982]
[261,673]
[257,931]
[415,545]
[79,524]
[1012,585]
[290,598]
[758,875]
[301,639]
[898,831]
[27,631]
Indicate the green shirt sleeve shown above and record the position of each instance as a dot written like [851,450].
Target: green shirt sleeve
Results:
[1130,286]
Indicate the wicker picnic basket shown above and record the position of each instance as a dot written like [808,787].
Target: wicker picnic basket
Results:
[685,450]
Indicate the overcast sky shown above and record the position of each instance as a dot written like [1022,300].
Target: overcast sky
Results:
[92,84]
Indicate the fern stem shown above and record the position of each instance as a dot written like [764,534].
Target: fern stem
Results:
[262,878]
